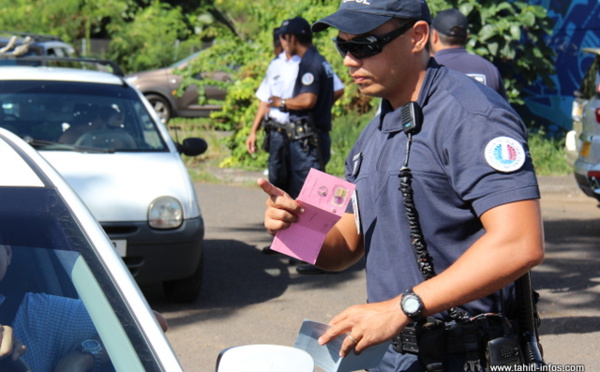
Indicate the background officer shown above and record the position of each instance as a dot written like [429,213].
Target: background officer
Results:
[310,106]
[449,35]
[310,110]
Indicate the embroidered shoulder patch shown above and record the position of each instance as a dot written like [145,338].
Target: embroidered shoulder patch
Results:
[505,154]
[308,78]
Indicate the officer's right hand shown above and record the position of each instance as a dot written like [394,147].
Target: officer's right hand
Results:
[251,143]
[281,210]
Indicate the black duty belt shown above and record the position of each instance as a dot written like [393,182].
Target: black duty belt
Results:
[452,337]
[294,130]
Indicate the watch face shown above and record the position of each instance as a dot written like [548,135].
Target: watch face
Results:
[90,345]
[410,305]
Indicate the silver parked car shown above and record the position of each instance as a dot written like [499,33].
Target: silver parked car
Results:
[583,142]
[64,291]
[105,139]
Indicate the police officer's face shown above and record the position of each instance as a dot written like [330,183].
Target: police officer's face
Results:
[394,73]
[288,42]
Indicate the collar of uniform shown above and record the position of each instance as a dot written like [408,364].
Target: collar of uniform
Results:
[451,51]
[388,118]
[293,58]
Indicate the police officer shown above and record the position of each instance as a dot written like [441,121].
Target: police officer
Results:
[279,80]
[473,185]
[449,35]
[309,109]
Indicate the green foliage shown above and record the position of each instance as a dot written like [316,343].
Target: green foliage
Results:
[344,133]
[148,34]
[246,54]
[510,35]
[157,36]
[69,19]
[548,154]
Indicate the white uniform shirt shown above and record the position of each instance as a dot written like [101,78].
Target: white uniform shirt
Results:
[280,80]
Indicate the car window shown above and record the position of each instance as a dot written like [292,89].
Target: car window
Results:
[57,289]
[73,115]
[591,79]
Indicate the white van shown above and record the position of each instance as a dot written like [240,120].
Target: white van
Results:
[105,139]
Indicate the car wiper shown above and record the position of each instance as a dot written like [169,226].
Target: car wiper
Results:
[40,144]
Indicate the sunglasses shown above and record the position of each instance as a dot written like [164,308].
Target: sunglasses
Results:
[370,45]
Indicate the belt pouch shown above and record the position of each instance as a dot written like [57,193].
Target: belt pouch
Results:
[431,340]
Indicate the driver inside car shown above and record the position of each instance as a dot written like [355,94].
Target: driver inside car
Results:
[48,331]
[98,126]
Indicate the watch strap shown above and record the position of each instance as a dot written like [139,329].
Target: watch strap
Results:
[94,348]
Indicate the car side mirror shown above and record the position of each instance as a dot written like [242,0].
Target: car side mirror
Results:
[192,146]
[260,358]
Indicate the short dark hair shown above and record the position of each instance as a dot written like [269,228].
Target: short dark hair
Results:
[452,40]
[304,39]
[276,33]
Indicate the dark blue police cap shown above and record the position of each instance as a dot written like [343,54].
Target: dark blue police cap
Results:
[451,22]
[295,26]
[361,16]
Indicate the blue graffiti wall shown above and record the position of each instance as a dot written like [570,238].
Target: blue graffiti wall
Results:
[576,26]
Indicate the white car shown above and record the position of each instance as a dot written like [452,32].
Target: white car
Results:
[582,144]
[67,295]
[63,289]
[105,139]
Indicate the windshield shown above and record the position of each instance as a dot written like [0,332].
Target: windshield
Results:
[55,291]
[181,62]
[63,116]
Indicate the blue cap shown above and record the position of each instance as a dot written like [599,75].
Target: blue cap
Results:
[295,26]
[361,16]
[451,22]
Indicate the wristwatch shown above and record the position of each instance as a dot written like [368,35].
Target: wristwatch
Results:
[283,107]
[412,306]
[94,348]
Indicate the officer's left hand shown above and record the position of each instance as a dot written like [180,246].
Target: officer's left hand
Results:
[366,325]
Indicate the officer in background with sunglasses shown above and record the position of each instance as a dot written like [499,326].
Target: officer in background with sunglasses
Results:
[463,152]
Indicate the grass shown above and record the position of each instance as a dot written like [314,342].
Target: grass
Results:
[547,154]
[200,166]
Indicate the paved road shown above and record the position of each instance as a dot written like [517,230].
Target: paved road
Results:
[252,298]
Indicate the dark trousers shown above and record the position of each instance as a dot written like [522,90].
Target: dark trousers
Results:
[290,161]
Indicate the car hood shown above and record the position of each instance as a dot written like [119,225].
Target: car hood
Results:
[119,187]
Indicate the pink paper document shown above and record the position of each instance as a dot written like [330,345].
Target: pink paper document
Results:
[324,198]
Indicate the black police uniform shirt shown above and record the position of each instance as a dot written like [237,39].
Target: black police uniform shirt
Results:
[470,156]
[472,65]
[315,75]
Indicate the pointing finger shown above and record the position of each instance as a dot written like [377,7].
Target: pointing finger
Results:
[269,188]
